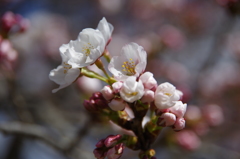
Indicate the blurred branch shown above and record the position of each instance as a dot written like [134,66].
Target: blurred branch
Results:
[41,133]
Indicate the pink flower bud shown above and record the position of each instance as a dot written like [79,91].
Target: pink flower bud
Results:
[111,140]
[115,152]
[107,93]
[96,102]
[148,96]
[179,124]
[99,154]
[100,103]
[117,87]
[89,106]
[100,143]
[178,109]
[166,119]
[117,104]
[188,139]
[148,81]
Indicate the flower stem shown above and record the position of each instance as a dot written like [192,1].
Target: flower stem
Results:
[107,56]
[100,65]
[91,74]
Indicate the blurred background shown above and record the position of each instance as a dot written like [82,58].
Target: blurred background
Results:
[193,44]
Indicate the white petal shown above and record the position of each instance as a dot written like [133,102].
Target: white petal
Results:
[57,75]
[63,77]
[106,29]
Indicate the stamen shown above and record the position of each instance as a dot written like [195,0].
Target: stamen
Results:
[129,67]
[132,94]
[168,94]
[87,49]
[66,67]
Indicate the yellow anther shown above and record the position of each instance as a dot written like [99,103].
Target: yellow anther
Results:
[132,94]
[87,49]
[129,67]
[168,94]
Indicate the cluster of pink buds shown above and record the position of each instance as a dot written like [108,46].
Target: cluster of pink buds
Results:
[173,116]
[11,22]
[96,102]
[109,147]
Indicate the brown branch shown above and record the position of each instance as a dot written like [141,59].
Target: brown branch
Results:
[41,133]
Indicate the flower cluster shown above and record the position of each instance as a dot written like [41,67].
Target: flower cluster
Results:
[129,86]
[83,51]
[109,147]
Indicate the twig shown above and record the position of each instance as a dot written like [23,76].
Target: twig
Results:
[41,133]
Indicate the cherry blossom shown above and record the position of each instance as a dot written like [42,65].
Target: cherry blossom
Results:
[132,90]
[166,96]
[131,62]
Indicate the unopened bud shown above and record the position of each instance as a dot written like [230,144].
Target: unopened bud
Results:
[179,124]
[100,143]
[148,81]
[98,153]
[111,140]
[89,106]
[96,102]
[148,96]
[117,87]
[117,104]
[166,119]
[115,152]
[107,93]
[178,109]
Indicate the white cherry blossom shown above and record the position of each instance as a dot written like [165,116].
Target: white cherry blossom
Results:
[86,49]
[131,90]
[64,75]
[106,29]
[166,96]
[148,80]
[131,62]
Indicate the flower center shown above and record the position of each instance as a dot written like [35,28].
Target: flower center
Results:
[66,67]
[168,94]
[129,67]
[87,49]
[132,94]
